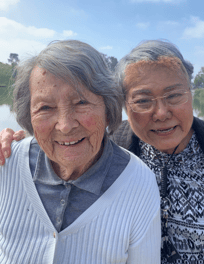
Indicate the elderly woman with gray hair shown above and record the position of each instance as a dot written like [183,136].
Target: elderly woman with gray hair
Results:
[155,80]
[69,194]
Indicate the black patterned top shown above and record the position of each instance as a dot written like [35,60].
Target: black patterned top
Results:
[185,187]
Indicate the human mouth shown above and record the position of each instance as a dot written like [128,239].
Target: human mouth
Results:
[63,143]
[164,131]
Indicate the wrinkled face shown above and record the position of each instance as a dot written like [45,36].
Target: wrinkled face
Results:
[68,128]
[164,127]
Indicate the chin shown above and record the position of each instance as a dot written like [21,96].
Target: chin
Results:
[168,147]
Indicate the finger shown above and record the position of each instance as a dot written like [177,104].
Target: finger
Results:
[19,135]
[2,159]
[6,138]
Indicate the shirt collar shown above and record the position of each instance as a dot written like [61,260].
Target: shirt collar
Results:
[91,181]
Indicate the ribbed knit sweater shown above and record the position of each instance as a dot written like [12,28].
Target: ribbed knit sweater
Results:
[122,226]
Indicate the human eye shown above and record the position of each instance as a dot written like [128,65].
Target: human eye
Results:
[141,103]
[175,97]
[82,102]
[45,108]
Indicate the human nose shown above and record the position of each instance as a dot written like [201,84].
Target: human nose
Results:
[67,121]
[161,110]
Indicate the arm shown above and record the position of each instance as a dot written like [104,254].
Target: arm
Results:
[7,135]
[145,234]
[147,250]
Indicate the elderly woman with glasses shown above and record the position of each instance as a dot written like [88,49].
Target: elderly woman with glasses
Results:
[69,194]
[155,81]
[161,130]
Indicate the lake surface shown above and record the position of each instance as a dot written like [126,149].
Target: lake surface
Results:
[7,119]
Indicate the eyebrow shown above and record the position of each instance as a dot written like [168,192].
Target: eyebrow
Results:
[141,91]
[42,98]
[168,88]
[172,87]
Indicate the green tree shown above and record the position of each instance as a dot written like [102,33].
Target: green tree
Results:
[13,58]
[198,102]
[199,79]
[6,81]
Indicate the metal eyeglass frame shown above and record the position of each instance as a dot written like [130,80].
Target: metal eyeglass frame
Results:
[163,99]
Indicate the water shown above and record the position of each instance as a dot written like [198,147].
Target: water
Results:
[7,119]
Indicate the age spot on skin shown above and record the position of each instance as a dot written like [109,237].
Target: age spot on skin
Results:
[44,72]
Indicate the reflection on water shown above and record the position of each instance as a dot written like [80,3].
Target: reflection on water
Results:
[7,119]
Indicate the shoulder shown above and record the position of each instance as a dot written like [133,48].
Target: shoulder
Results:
[141,194]
[144,173]
[198,124]
[140,179]
[123,135]
[18,163]
[22,145]
[19,150]
[198,127]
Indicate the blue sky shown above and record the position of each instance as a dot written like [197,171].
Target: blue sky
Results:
[113,27]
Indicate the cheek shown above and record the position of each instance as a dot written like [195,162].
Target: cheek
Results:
[95,125]
[42,129]
[138,122]
[89,122]
[185,116]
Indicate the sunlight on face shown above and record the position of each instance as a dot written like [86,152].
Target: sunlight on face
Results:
[68,128]
[165,126]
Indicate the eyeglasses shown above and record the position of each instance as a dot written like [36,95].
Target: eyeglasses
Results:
[144,103]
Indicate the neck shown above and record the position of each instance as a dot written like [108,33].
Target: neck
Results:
[72,173]
[67,174]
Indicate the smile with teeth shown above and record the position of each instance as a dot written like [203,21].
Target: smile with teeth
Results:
[69,143]
[164,130]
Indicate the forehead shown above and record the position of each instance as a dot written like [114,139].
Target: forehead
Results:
[40,79]
[137,73]
[44,86]
[44,82]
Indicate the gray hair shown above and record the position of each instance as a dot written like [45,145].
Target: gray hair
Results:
[76,63]
[150,50]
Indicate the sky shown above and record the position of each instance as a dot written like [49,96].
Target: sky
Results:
[113,27]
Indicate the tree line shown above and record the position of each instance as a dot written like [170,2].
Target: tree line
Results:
[7,78]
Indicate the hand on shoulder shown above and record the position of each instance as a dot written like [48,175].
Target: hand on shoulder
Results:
[7,135]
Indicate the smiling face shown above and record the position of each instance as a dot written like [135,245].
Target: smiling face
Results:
[68,128]
[164,127]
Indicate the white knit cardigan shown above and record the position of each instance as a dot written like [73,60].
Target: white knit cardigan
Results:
[122,226]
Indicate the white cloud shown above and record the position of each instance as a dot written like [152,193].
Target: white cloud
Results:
[5,4]
[17,38]
[69,33]
[106,48]
[13,28]
[22,47]
[158,1]
[196,30]
[142,25]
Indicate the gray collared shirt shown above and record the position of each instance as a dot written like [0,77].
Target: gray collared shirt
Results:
[65,201]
